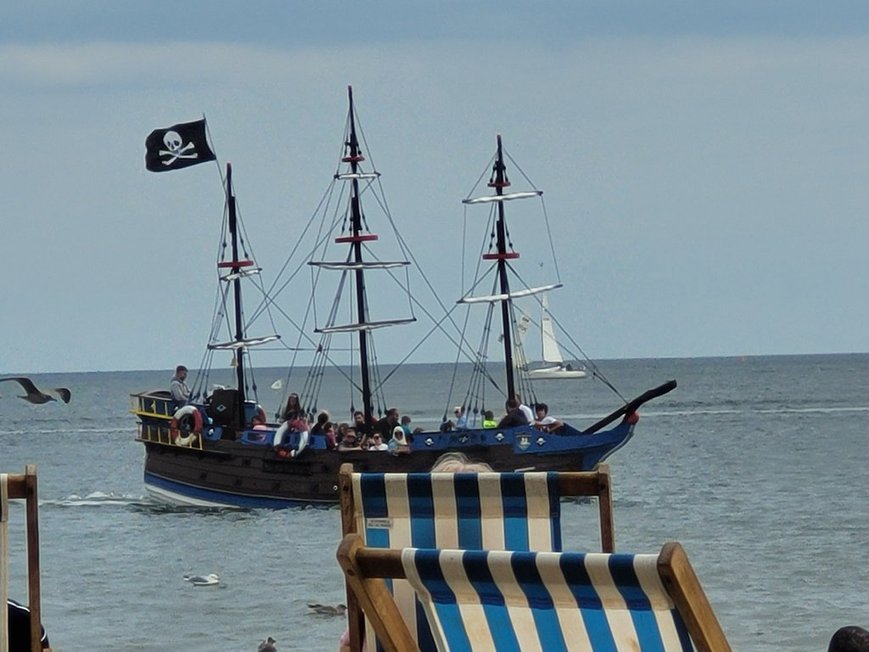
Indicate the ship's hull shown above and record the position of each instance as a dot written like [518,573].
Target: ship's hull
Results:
[245,470]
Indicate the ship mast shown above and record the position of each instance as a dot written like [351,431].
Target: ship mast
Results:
[354,156]
[500,257]
[499,181]
[236,288]
[355,233]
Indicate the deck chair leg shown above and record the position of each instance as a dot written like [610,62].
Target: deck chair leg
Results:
[605,500]
[355,619]
[34,592]
[375,599]
[681,582]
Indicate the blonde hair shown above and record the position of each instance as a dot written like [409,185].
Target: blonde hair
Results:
[454,462]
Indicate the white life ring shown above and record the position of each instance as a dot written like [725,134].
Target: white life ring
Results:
[279,438]
[185,435]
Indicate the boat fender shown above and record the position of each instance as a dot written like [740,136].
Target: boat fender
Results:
[181,430]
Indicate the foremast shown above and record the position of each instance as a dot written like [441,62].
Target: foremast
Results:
[237,268]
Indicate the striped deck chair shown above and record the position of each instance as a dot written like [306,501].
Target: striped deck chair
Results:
[526,601]
[20,486]
[470,511]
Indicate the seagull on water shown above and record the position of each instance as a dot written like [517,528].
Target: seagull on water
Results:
[33,395]
[268,645]
[328,610]
[203,580]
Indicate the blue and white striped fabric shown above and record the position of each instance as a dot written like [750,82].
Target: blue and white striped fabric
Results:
[472,511]
[526,601]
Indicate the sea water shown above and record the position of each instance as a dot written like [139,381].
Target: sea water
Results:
[757,465]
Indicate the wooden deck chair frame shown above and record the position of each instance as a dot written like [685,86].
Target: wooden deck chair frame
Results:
[25,487]
[366,568]
[570,484]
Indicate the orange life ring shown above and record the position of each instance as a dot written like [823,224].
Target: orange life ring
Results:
[186,425]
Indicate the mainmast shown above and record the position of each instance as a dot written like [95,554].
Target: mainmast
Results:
[353,156]
[354,229]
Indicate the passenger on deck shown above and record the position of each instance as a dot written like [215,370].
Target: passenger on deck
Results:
[329,434]
[258,422]
[178,388]
[319,425]
[376,443]
[461,417]
[350,441]
[514,417]
[293,410]
[405,425]
[340,431]
[398,444]
[544,421]
[386,426]
[359,423]
[489,419]
[527,411]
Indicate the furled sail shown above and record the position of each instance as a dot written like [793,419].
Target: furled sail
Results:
[510,295]
[487,199]
[243,344]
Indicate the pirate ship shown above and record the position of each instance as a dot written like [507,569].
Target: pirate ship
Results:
[220,450]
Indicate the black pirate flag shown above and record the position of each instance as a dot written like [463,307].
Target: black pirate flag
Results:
[176,147]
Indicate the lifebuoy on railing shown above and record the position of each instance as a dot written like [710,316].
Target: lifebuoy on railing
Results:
[186,425]
[286,451]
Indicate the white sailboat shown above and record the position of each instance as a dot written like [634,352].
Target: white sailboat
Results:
[555,366]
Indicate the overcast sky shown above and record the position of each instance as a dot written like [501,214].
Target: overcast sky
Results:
[704,163]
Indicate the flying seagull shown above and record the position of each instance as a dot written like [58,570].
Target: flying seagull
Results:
[33,395]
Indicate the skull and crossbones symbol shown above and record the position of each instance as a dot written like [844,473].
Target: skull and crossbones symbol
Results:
[176,149]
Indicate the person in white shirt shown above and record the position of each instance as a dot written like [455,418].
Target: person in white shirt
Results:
[527,411]
[178,388]
[543,420]
[375,443]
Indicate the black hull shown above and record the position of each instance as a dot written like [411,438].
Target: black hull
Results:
[238,476]
[223,467]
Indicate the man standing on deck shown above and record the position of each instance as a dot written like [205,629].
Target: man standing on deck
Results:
[178,388]
[461,417]
[387,424]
